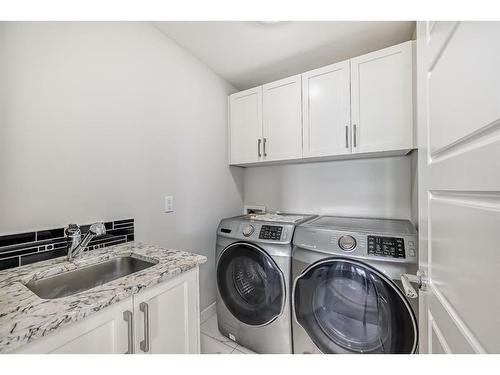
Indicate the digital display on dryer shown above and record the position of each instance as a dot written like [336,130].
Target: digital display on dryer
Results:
[270,232]
[386,246]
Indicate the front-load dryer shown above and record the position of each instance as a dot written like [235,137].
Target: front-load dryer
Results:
[253,267]
[347,294]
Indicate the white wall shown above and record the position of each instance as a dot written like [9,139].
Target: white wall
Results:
[100,121]
[379,187]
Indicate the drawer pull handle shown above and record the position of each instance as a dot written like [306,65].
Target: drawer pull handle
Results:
[355,136]
[128,317]
[144,345]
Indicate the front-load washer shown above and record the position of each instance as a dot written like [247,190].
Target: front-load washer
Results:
[347,294]
[253,267]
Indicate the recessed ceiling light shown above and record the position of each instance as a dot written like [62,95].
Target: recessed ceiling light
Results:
[269,22]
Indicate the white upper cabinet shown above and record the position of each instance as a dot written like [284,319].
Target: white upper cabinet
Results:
[326,111]
[245,126]
[282,130]
[382,100]
[362,107]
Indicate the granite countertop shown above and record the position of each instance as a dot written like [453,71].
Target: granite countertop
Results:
[25,317]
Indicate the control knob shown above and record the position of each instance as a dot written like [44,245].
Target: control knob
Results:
[347,243]
[248,230]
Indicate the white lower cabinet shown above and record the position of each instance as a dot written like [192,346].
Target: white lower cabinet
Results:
[105,332]
[167,317]
[162,319]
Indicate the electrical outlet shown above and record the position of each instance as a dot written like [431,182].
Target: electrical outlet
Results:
[169,204]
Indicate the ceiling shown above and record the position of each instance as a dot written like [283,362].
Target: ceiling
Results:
[251,53]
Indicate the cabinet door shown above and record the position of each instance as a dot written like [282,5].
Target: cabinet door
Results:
[327,111]
[245,126]
[105,332]
[382,99]
[167,318]
[282,119]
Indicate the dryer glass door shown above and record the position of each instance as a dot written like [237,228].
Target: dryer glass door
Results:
[346,306]
[250,284]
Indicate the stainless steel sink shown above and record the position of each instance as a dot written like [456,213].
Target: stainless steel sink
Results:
[72,282]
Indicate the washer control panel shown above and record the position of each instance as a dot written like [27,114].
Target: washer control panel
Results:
[386,246]
[270,232]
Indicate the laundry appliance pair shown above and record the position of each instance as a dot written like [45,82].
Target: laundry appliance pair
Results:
[290,283]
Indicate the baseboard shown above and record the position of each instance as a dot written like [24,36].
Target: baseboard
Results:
[207,313]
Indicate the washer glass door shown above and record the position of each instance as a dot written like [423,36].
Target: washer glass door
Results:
[346,306]
[250,284]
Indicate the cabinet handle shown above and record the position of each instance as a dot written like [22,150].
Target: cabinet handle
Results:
[354,135]
[346,136]
[265,140]
[128,317]
[144,345]
[258,147]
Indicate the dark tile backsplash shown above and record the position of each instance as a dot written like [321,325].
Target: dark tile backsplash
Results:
[9,263]
[15,239]
[26,248]
[123,223]
[49,234]
[44,255]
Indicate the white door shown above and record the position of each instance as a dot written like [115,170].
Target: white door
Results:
[167,317]
[282,107]
[382,99]
[459,185]
[245,126]
[326,108]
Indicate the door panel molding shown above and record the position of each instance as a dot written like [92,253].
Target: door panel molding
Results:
[461,254]
[489,133]
[434,328]
[447,172]
[438,39]
[485,200]
[463,339]
[462,83]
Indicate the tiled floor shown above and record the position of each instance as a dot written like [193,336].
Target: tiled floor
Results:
[212,341]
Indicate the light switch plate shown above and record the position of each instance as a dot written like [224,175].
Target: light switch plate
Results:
[169,203]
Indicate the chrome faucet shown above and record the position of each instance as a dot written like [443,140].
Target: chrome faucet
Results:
[77,245]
